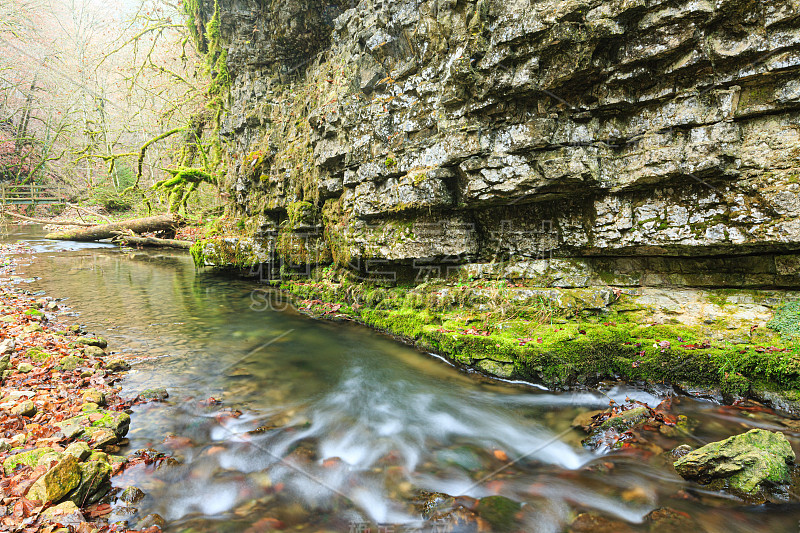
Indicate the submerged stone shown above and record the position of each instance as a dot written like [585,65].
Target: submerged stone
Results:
[117,365]
[742,463]
[154,394]
[132,495]
[499,511]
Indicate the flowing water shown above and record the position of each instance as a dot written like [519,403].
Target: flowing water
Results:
[351,424]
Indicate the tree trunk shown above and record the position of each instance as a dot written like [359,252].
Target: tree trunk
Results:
[106,231]
[152,241]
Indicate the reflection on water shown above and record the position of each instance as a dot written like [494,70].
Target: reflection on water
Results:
[339,424]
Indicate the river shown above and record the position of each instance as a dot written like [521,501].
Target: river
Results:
[352,423]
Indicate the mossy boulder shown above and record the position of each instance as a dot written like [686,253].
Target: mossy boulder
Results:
[94,351]
[79,450]
[5,361]
[88,422]
[29,458]
[99,342]
[57,482]
[117,365]
[625,420]
[95,482]
[38,355]
[743,463]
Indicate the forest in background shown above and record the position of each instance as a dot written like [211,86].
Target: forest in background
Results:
[107,99]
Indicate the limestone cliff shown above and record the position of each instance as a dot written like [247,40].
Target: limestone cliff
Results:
[646,149]
[652,140]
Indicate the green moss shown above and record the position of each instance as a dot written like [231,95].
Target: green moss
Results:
[786,320]
[471,330]
[198,256]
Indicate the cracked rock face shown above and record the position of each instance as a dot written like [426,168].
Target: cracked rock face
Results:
[577,128]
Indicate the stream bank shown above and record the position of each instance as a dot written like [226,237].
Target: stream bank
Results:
[63,423]
[329,426]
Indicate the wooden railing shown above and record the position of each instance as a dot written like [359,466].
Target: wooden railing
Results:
[32,194]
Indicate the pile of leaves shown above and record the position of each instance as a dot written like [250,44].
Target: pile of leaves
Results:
[34,377]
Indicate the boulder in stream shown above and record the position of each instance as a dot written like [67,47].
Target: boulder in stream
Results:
[742,464]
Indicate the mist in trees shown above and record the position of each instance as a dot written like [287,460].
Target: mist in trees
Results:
[105,97]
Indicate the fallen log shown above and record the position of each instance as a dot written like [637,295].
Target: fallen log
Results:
[106,231]
[129,238]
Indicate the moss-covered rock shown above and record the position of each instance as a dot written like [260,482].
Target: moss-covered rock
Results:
[743,463]
[117,365]
[56,482]
[95,482]
[79,450]
[29,458]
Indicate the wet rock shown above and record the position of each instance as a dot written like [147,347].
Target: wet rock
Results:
[154,394]
[97,342]
[742,463]
[29,458]
[666,520]
[26,408]
[680,451]
[499,511]
[501,370]
[94,351]
[95,482]
[625,420]
[593,523]
[117,365]
[428,503]
[33,328]
[57,482]
[66,513]
[24,368]
[94,396]
[70,362]
[151,520]
[100,438]
[7,347]
[683,427]
[48,458]
[132,495]
[80,450]
[115,422]
[585,420]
